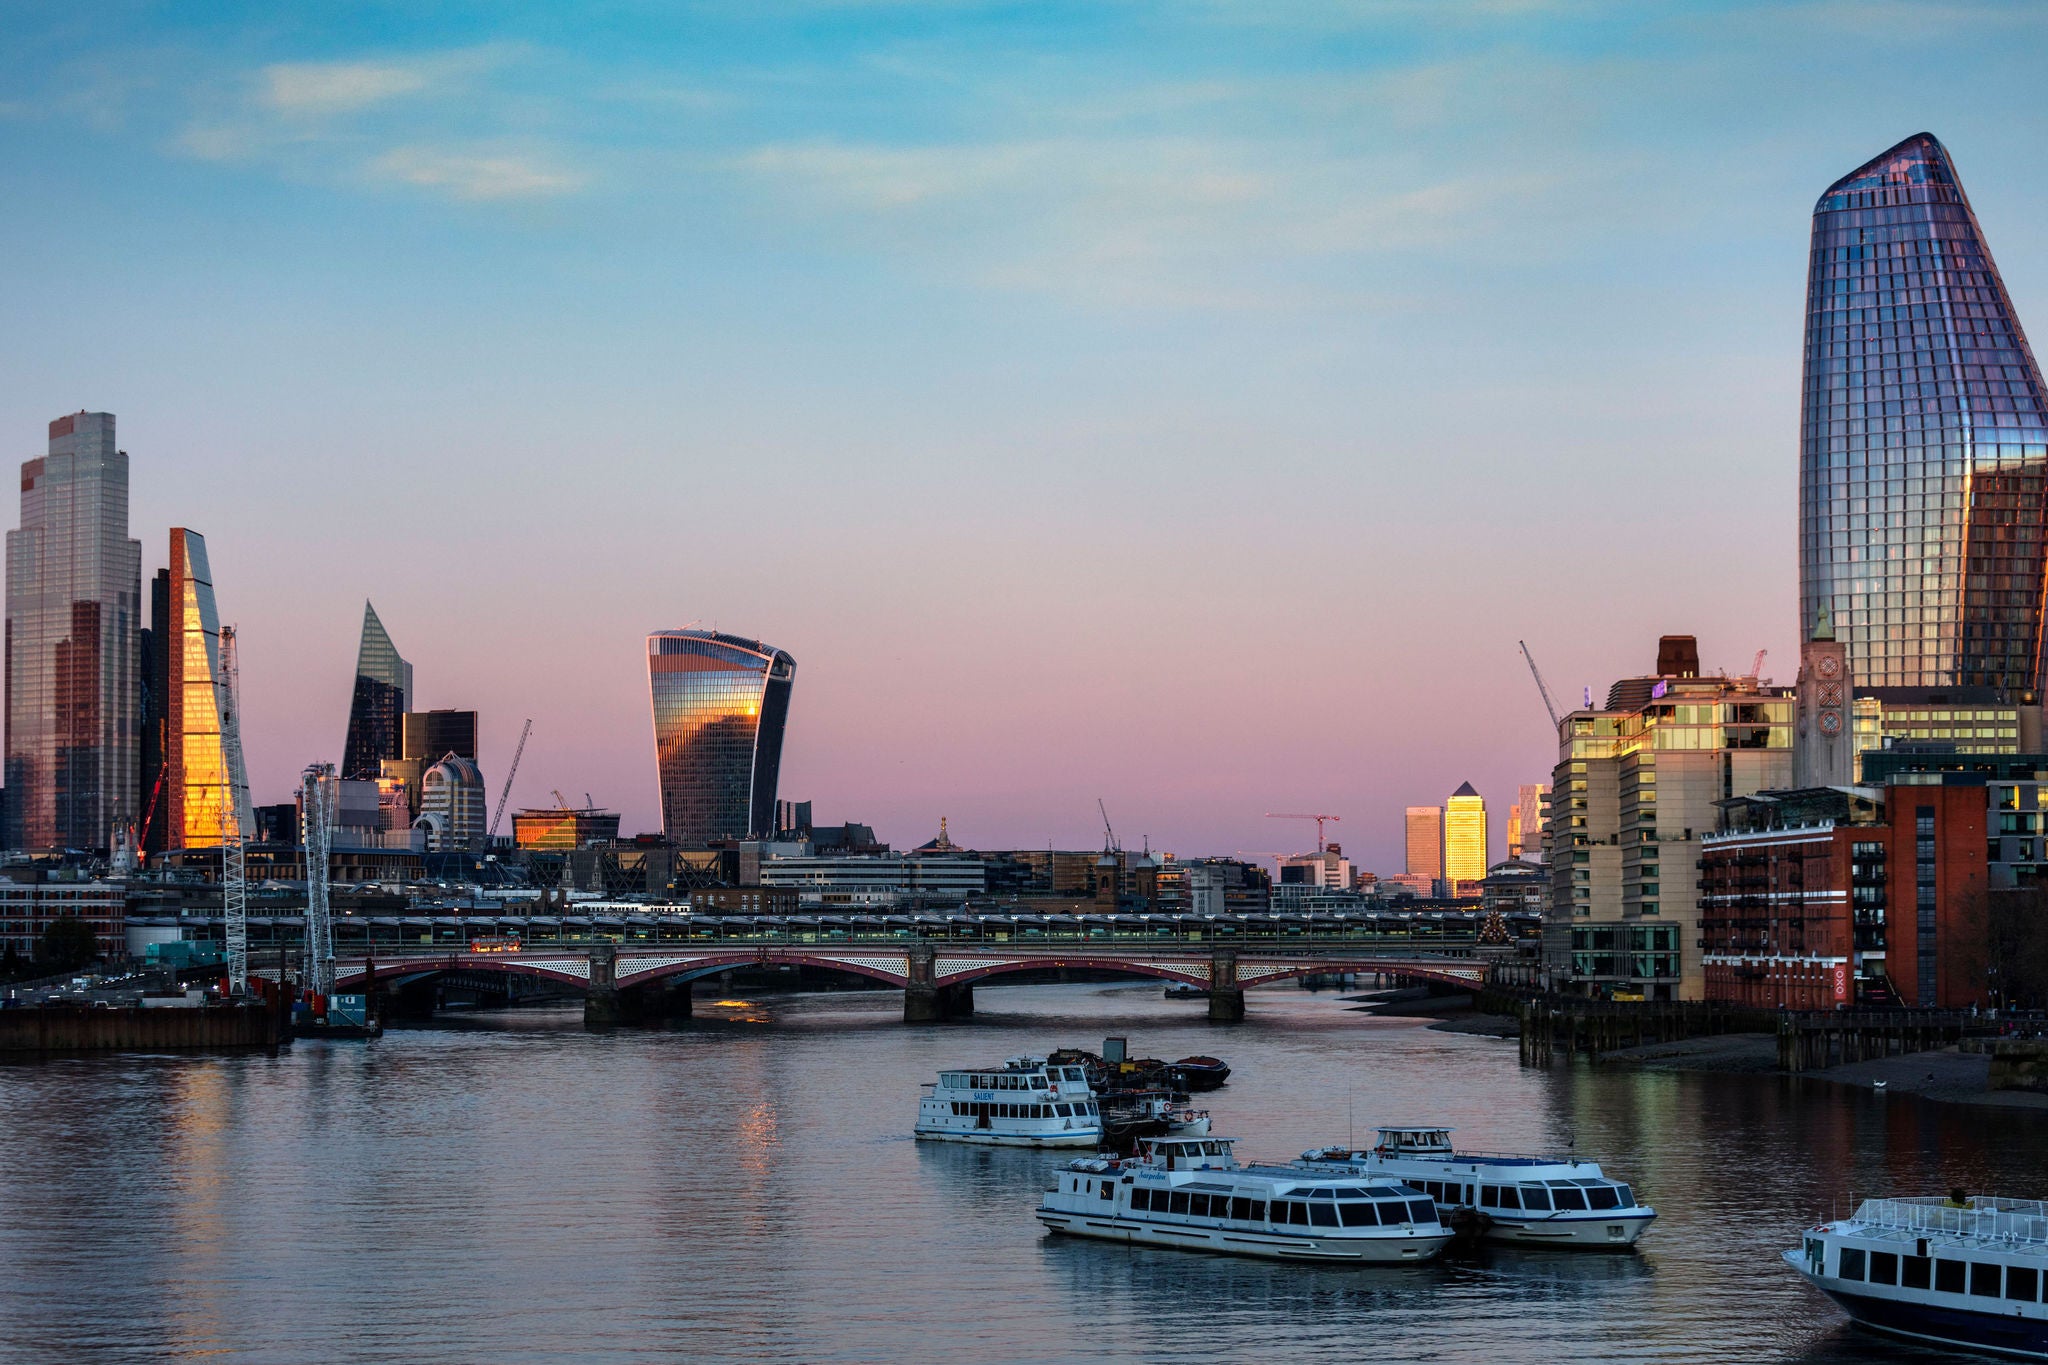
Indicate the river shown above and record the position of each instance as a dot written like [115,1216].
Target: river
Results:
[743,1186]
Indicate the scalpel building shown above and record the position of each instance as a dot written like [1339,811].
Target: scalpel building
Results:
[719,706]
[1924,444]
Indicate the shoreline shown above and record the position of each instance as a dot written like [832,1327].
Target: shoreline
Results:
[1945,1075]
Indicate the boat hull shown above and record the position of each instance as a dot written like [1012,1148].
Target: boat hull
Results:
[1593,1231]
[2025,1338]
[1088,1138]
[1239,1242]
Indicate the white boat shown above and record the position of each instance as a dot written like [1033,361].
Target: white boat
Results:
[1022,1103]
[1549,1201]
[1959,1271]
[1191,1194]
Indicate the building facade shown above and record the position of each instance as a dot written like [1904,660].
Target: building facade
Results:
[1525,821]
[1465,839]
[720,704]
[881,881]
[27,909]
[376,708]
[74,592]
[198,803]
[451,805]
[1924,438]
[561,830]
[1425,843]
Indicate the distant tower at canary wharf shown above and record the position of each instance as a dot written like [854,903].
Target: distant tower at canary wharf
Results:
[377,709]
[719,706]
[74,594]
[1924,445]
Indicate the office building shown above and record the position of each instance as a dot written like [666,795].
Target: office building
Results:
[1425,844]
[377,706]
[152,714]
[561,829]
[197,802]
[1525,821]
[876,881]
[74,591]
[425,738]
[720,703]
[28,909]
[1465,838]
[451,805]
[1923,516]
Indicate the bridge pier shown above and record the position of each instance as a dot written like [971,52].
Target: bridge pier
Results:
[1226,997]
[601,1008]
[656,1003]
[925,1001]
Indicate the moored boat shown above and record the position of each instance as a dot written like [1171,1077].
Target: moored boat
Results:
[1026,1102]
[1202,1073]
[1540,1200]
[1960,1271]
[1191,1194]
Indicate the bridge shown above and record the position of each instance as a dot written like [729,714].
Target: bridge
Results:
[621,979]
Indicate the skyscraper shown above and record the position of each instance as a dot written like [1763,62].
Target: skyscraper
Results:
[719,707]
[195,805]
[1464,841]
[1924,439]
[1525,821]
[1426,842]
[74,592]
[375,712]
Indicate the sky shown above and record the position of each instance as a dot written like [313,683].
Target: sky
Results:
[1183,405]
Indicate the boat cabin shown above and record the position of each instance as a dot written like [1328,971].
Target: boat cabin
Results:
[1414,1142]
[1190,1154]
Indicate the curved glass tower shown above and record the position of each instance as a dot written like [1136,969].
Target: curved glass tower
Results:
[720,702]
[376,710]
[1922,504]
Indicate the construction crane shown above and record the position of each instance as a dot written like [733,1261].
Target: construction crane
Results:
[1542,686]
[1319,819]
[1109,844]
[561,801]
[237,827]
[510,773]
[316,814]
[1756,669]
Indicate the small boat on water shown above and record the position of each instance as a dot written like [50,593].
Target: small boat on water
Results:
[1025,1102]
[1130,1115]
[1552,1201]
[1183,991]
[1960,1271]
[1192,1194]
[1202,1073]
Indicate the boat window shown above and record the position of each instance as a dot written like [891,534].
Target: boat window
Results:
[1986,1280]
[1359,1215]
[1258,1214]
[1214,1149]
[2022,1282]
[1510,1197]
[1884,1267]
[1851,1264]
[1297,1215]
[1241,1209]
[1141,1200]
[1948,1276]
[1180,1201]
[1627,1195]
[1603,1197]
[1535,1197]
[1323,1215]
[1914,1273]
[1109,1189]
[1569,1198]
[1489,1196]
[1421,1211]
[1198,1206]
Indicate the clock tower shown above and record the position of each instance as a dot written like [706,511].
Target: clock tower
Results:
[1823,742]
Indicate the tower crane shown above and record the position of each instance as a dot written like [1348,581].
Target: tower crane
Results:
[237,826]
[1319,819]
[510,773]
[317,793]
[1109,844]
[1541,686]
[1756,669]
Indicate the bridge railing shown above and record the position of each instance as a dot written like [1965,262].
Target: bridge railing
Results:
[1247,947]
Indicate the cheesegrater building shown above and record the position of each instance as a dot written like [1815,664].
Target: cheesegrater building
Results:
[720,702]
[1924,440]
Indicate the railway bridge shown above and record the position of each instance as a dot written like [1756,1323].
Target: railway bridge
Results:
[621,981]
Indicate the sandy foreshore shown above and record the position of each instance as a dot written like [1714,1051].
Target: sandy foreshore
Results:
[1948,1075]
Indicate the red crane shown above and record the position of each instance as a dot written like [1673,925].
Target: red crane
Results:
[1320,845]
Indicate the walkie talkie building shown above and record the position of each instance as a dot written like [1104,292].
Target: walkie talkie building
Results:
[1924,444]
[720,702]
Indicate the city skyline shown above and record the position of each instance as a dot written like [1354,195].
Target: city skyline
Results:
[1079,365]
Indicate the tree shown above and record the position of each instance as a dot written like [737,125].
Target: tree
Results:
[11,965]
[66,945]
[2018,925]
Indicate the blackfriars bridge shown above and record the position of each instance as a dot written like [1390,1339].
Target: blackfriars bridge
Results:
[623,980]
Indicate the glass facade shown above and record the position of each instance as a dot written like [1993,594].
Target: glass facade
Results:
[1922,460]
[1464,841]
[196,793]
[376,713]
[719,707]
[74,592]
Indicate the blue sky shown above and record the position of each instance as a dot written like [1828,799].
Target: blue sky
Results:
[1188,405]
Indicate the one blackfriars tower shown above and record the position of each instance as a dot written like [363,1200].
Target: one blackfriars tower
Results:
[720,703]
[1923,470]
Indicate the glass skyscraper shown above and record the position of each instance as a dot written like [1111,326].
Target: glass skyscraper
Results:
[196,795]
[1924,440]
[1464,841]
[74,592]
[720,703]
[376,712]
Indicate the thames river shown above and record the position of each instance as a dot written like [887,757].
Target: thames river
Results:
[744,1186]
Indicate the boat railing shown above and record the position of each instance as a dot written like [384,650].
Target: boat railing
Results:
[2016,1220]
[1475,1156]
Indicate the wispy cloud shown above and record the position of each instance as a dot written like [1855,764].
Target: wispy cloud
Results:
[476,176]
[337,87]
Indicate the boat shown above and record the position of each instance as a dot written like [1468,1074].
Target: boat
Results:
[1540,1200]
[1202,1073]
[1025,1102]
[1129,1115]
[1191,1194]
[1183,991]
[1962,1271]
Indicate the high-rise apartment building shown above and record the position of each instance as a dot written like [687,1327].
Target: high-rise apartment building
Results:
[720,703]
[375,711]
[1923,469]
[1465,836]
[74,592]
[1525,820]
[197,802]
[1425,830]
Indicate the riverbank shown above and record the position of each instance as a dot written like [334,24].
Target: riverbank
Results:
[1947,1076]
[1451,1013]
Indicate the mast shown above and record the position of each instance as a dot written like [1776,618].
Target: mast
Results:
[235,830]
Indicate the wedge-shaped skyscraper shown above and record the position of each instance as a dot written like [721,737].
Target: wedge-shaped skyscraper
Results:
[719,707]
[1923,470]
[196,800]
[376,712]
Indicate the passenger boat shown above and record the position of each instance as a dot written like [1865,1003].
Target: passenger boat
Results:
[1129,1115]
[1552,1201]
[1025,1102]
[1960,1271]
[1191,1194]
